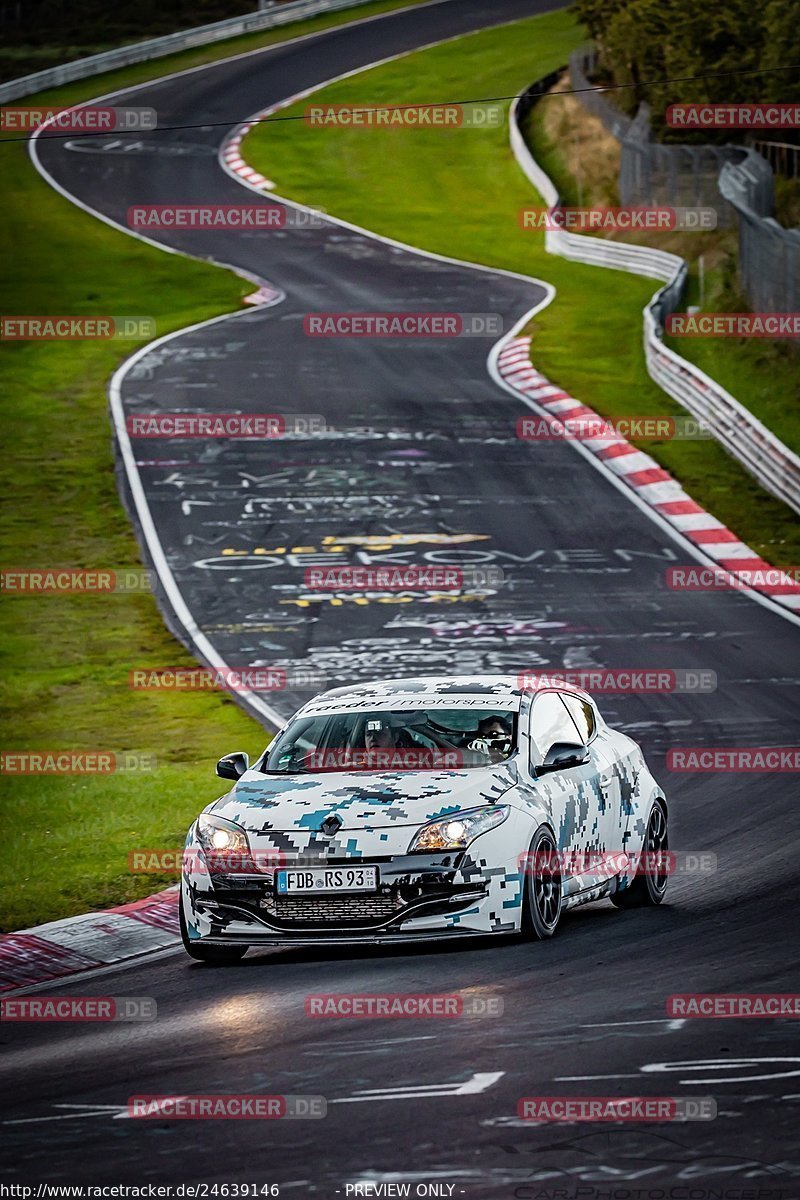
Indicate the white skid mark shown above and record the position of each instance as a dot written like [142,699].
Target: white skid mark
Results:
[672,1022]
[478,1083]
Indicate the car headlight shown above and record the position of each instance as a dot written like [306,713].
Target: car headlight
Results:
[218,836]
[456,831]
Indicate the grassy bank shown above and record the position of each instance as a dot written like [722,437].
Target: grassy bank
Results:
[66,658]
[583,161]
[458,192]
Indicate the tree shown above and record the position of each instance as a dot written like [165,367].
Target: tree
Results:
[710,53]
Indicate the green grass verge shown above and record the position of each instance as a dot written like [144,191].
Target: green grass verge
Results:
[66,659]
[458,192]
[763,375]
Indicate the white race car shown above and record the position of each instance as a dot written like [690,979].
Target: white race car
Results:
[425,808]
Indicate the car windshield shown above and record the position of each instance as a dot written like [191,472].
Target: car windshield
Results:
[419,740]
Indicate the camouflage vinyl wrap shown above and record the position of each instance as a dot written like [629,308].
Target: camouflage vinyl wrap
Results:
[602,806]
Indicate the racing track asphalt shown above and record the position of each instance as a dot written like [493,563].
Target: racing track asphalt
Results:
[586,588]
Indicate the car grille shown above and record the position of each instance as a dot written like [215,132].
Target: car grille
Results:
[320,909]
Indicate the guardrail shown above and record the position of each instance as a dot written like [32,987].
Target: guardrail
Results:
[201,35]
[749,183]
[744,437]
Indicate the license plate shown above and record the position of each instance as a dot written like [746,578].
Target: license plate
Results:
[318,880]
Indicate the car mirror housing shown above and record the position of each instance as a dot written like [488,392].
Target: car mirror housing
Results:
[233,766]
[563,755]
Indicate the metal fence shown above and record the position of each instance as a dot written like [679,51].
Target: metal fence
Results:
[769,255]
[581,65]
[746,439]
[201,35]
[783,157]
[651,173]
[735,180]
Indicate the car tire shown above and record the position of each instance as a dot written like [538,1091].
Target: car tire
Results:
[542,887]
[216,956]
[648,888]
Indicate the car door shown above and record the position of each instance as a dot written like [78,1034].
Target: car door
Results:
[578,797]
[603,758]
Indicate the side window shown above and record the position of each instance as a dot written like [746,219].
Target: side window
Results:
[550,722]
[582,714]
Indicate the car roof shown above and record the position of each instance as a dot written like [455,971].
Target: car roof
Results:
[427,687]
[468,685]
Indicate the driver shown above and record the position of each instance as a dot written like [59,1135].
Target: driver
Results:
[385,743]
[493,727]
[493,738]
[379,734]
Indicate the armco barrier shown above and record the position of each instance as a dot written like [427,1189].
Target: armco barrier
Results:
[201,35]
[764,455]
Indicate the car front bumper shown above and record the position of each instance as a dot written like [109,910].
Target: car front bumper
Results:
[420,897]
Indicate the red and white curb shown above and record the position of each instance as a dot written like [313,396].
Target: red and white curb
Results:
[95,939]
[651,483]
[232,157]
[266,294]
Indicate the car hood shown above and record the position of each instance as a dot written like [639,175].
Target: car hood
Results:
[362,800]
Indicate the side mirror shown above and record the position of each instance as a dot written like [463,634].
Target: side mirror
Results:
[563,755]
[233,766]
